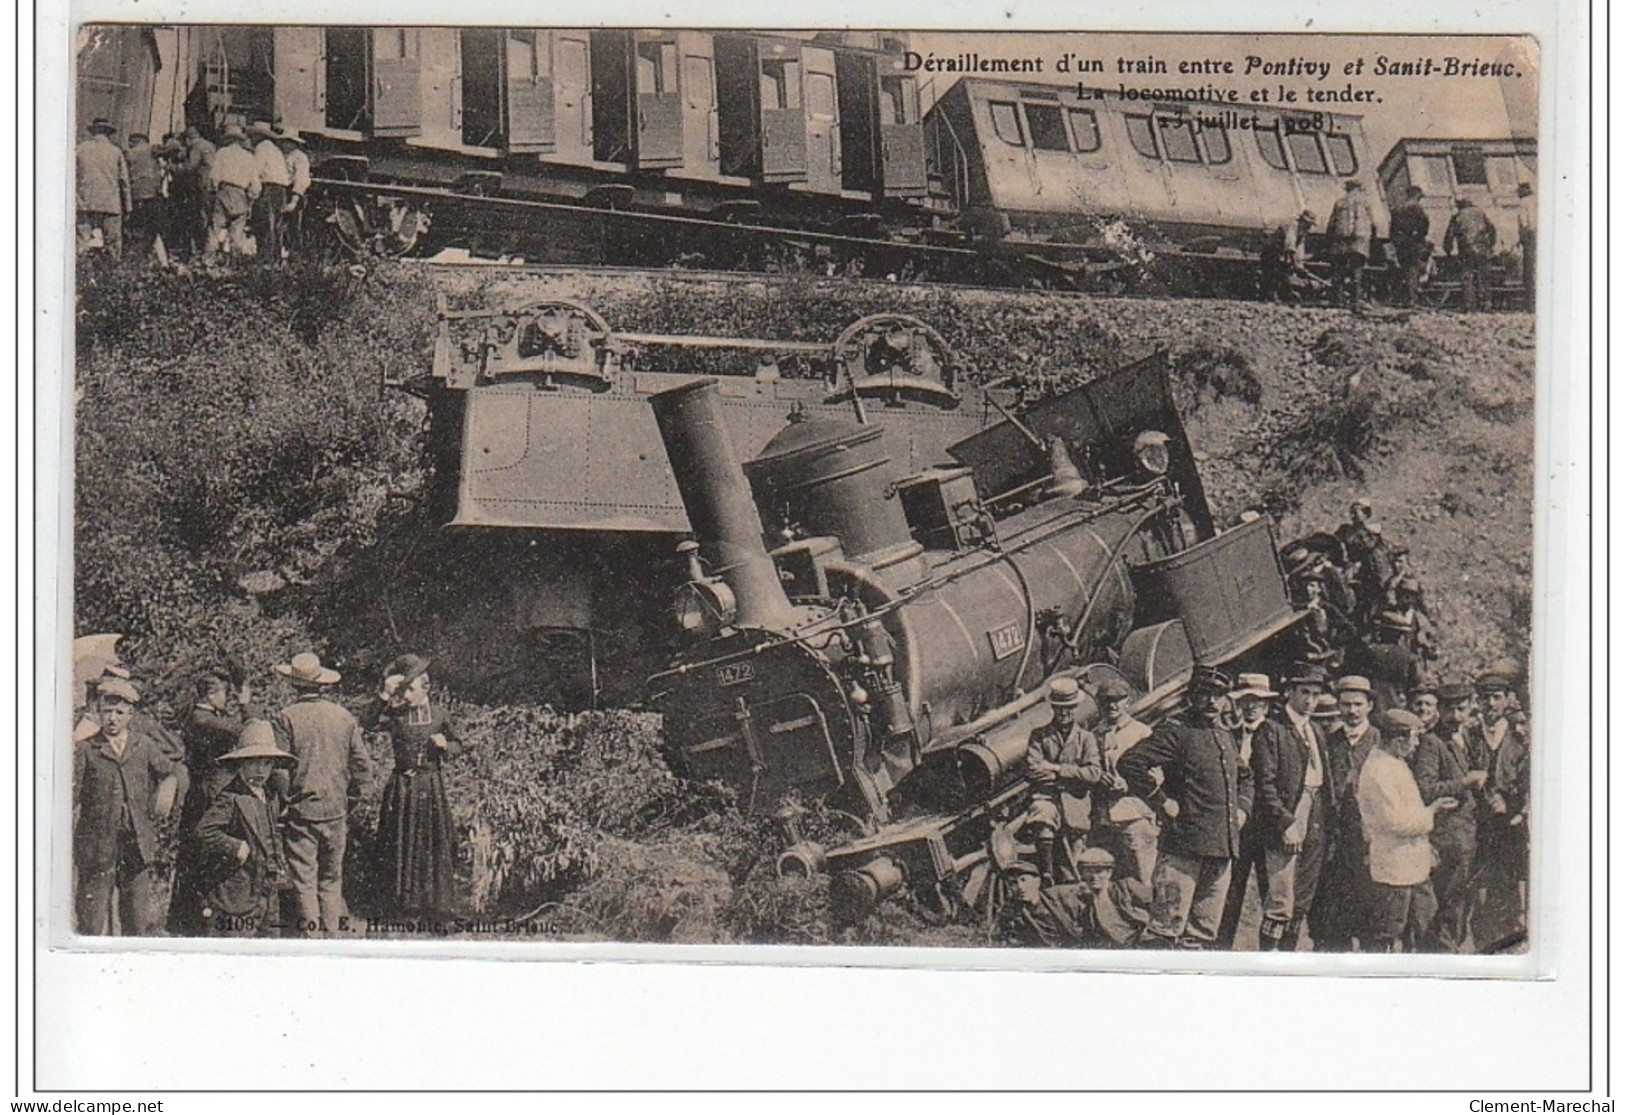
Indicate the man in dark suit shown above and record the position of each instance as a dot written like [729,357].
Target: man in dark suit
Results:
[1287,758]
[123,784]
[1205,795]
[1341,911]
[1449,763]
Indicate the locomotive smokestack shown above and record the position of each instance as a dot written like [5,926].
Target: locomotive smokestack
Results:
[718,501]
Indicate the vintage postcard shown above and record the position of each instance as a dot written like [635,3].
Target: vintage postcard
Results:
[890,487]
[889,497]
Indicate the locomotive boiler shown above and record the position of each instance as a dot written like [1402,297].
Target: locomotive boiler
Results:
[889,652]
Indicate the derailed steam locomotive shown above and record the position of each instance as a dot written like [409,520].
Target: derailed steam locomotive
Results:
[889,653]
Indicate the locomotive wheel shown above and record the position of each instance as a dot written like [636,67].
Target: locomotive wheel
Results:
[377,227]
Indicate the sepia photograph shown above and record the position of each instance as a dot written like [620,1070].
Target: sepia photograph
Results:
[1059,491]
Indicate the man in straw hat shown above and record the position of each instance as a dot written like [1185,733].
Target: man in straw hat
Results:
[1340,914]
[1282,769]
[1397,823]
[236,179]
[123,785]
[333,770]
[1063,758]
[1204,795]
[101,189]
[299,179]
[271,165]
[239,843]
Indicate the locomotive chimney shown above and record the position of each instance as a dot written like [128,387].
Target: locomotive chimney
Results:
[718,501]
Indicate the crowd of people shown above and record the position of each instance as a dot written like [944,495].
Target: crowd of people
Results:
[240,195]
[1376,813]
[1469,240]
[265,804]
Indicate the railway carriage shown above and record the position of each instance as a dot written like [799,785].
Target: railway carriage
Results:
[1043,162]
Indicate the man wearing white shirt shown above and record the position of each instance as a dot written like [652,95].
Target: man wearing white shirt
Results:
[275,180]
[1397,824]
[1313,810]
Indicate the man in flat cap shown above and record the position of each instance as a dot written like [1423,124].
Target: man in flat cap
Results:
[1063,758]
[1449,763]
[1502,894]
[235,177]
[1339,915]
[210,731]
[1470,237]
[123,785]
[1408,231]
[1397,823]
[1348,236]
[1121,823]
[333,770]
[1204,796]
[1095,912]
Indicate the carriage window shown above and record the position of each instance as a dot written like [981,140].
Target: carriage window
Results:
[1178,139]
[1434,176]
[1215,144]
[1140,136]
[1502,171]
[1085,130]
[699,80]
[525,58]
[781,84]
[657,67]
[1306,153]
[1341,149]
[894,101]
[1006,125]
[1045,124]
[1469,164]
[1269,146]
[821,96]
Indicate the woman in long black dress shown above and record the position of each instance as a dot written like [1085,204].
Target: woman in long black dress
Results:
[415,838]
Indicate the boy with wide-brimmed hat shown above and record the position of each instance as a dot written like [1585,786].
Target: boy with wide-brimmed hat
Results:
[123,786]
[332,772]
[239,840]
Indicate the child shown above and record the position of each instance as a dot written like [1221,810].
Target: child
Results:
[238,840]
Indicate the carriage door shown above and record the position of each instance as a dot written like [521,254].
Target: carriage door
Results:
[739,109]
[823,121]
[301,88]
[702,136]
[784,125]
[1150,184]
[530,93]
[660,105]
[397,104]
[902,140]
[572,119]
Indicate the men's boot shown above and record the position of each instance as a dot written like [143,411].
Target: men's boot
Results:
[1044,849]
[1270,932]
[1293,934]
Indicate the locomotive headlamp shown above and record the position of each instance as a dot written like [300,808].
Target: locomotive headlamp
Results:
[705,606]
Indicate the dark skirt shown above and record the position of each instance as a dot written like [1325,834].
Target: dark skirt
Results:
[415,843]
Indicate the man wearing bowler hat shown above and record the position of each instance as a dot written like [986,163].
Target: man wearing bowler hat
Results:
[123,785]
[333,770]
[1063,758]
[1204,797]
[1340,913]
